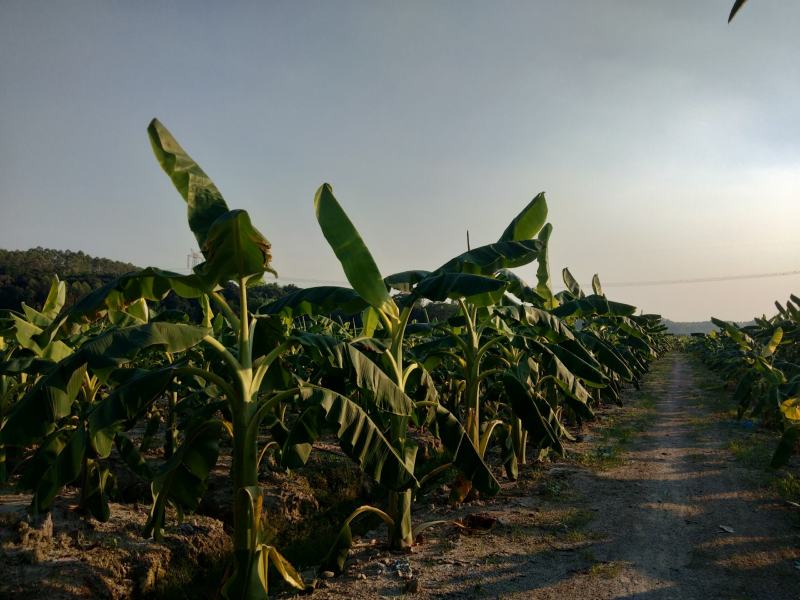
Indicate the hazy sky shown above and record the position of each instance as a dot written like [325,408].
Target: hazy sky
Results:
[668,142]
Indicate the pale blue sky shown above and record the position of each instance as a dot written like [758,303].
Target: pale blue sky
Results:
[667,141]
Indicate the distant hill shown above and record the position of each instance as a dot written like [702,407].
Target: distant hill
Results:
[25,275]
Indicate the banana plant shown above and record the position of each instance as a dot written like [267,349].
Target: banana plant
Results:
[22,339]
[390,317]
[483,334]
[252,380]
[234,250]
[763,360]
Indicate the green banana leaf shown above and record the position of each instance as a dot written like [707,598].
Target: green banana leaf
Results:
[134,393]
[735,9]
[786,447]
[118,345]
[596,287]
[487,260]
[385,394]
[234,250]
[321,300]
[49,400]
[360,438]
[541,322]
[150,284]
[204,201]
[519,287]
[474,289]
[528,222]
[593,305]
[466,457]
[356,260]
[52,396]
[63,467]
[572,284]
[543,285]
[182,480]
[533,412]
[405,281]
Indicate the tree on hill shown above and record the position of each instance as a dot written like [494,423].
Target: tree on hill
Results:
[25,275]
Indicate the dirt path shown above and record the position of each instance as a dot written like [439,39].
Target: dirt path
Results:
[654,506]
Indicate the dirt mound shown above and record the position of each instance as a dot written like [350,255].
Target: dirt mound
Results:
[65,555]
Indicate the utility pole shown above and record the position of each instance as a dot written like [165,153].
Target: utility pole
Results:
[193,259]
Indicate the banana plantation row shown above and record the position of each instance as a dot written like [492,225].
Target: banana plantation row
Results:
[499,379]
[763,361]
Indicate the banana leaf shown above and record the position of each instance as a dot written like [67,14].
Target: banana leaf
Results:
[356,260]
[528,222]
[360,438]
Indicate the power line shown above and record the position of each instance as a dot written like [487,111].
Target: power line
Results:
[619,284]
[700,279]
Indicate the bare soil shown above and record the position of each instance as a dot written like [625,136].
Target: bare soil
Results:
[65,555]
[68,555]
[663,499]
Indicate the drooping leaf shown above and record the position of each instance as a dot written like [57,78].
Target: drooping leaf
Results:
[234,250]
[365,373]
[474,289]
[95,492]
[466,457]
[269,555]
[528,407]
[321,300]
[517,286]
[579,362]
[132,457]
[487,260]
[576,395]
[128,400]
[64,469]
[358,436]
[405,281]
[150,284]
[785,449]
[337,556]
[49,400]
[386,394]
[606,354]
[182,479]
